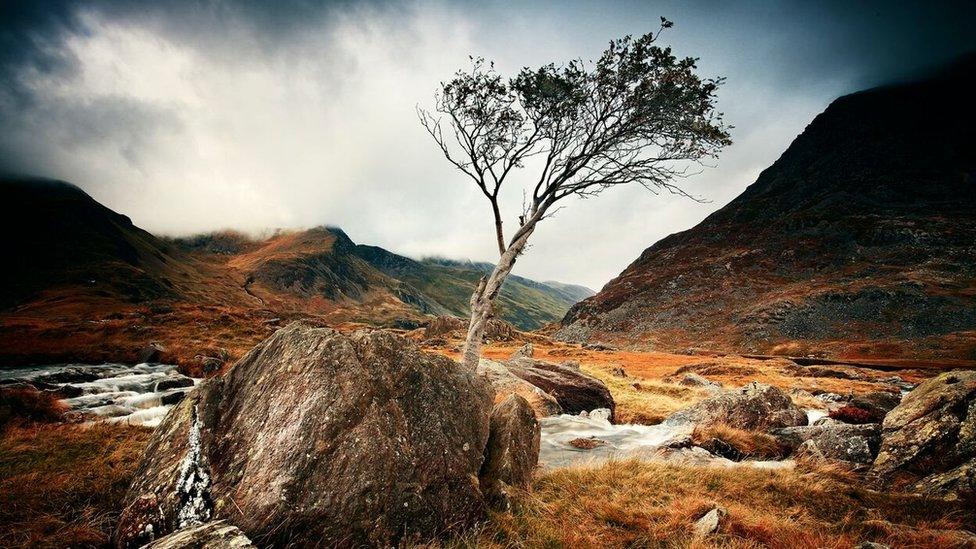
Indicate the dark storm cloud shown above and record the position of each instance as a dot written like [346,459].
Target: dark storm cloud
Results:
[198,115]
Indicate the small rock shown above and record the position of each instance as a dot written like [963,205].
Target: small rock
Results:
[619,372]
[871,545]
[173,382]
[694,380]
[151,353]
[212,535]
[525,351]
[586,443]
[710,522]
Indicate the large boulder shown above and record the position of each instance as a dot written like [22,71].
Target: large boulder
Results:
[513,448]
[506,383]
[211,535]
[835,441]
[574,391]
[318,438]
[753,407]
[875,405]
[931,436]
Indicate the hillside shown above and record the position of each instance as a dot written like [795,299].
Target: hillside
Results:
[857,242]
[85,284]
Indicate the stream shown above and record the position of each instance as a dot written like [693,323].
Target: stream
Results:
[135,395]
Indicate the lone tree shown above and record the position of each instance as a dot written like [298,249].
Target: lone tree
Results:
[638,115]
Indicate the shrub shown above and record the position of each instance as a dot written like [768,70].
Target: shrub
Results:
[852,414]
[26,403]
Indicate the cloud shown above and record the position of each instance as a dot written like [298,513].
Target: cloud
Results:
[198,116]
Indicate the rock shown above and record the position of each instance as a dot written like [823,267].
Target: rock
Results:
[752,407]
[571,364]
[151,353]
[587,443]
[210,364]
[931,434]
[506,383]
[836,441]
[599,347]
[695,380]
[212,535]
[172,398]
[877,404]
[871,545]
[173,382]
[525,351]
[355,440]
[512,452]
[710,522]
[619,372]
[451,326]
[574,391]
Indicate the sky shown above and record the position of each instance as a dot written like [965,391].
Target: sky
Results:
[197,116]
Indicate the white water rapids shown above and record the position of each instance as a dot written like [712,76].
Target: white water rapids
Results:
[136,395]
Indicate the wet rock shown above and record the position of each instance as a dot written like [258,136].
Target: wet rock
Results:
[525,351]
[752,407]
[212,535]
[710,522]
[357,440]
[574,391]
[586,443]
[512,451]
[836,441]
[506,383]
[932,434]
[173,382]
[70,375]
[173,398]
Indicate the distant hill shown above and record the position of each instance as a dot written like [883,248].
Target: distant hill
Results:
[525,303]
[859,241]
[67,247]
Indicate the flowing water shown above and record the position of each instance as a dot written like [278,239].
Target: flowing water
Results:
[597,441]
[136,395]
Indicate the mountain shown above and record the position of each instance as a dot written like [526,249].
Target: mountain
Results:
[859,241]
[58,237]
[525,303]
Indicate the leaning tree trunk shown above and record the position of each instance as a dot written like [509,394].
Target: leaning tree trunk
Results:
[483,299]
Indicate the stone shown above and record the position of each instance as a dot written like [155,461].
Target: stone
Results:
[451,326]
[173,382]
[871,545]
[753,407]
[506,383]
[694,380]
[929,439]
[574,391]
[512,451]
[835,441]
[151,353]
[212,535]
[355,439]
[710,522]
[619,372]
[525,351]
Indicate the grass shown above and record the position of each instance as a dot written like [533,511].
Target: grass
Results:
[750,444]
[62,485]
[634,504]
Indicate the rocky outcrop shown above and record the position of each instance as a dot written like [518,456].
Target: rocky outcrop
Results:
[931,436]
[212,535]
[525,351]
[752,407]
[506,383]
[318,438]
[834,441]
[574,391]
[513,449]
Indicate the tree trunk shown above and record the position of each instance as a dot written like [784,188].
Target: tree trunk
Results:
[483,299]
